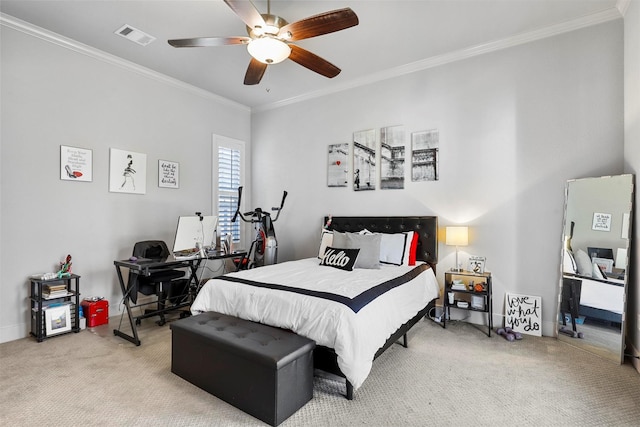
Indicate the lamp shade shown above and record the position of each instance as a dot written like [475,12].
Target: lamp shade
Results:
[269,50]
[457,236]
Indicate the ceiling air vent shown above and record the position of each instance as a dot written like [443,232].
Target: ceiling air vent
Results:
[135,35]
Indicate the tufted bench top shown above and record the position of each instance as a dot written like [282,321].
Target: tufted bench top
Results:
[264,344]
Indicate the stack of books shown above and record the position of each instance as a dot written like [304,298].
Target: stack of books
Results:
[54,290]
[458,285]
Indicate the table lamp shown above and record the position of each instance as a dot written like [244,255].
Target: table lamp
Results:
[457,236]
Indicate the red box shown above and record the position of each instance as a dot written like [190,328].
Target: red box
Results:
[96,312]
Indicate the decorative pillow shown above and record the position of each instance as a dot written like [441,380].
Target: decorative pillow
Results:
[326,240]
[569,262]
[393,248]
[341,258]
[369,245]
[413,251]
[585,268]
[396,248]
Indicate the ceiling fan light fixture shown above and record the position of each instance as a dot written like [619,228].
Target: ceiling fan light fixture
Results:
[269,50]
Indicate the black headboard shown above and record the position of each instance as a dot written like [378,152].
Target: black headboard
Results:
[425,226]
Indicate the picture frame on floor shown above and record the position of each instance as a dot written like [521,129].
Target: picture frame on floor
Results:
[57,319]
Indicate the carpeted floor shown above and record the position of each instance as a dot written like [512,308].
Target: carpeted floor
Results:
[447,377]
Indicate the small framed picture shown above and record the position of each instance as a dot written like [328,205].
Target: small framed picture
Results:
[476,264]
[168,174]
[76,164]
[605,263]
[127,172]
[601,221]
[57,319]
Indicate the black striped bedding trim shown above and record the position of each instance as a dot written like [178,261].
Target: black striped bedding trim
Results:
[356,303]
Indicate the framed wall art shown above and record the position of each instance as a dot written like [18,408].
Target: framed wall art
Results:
[168,174]
[601,221]
[364,160]
[425,146]
[337,165]
[76,164]
[127,172]
[392,150]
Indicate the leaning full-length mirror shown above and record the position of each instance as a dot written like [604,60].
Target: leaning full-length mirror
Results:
[593,285]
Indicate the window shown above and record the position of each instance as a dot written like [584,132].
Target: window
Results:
[229,163]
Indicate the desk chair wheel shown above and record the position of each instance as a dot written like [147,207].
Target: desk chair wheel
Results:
[162,321]
[138,322]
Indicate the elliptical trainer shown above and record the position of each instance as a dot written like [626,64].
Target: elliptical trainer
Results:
[264,248]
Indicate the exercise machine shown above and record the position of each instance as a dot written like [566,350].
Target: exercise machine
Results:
[264,248]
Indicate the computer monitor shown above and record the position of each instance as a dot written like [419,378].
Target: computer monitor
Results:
[195,229]
[600,253]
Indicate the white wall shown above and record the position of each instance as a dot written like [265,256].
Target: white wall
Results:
[632,162]
[54,96]
[514,126]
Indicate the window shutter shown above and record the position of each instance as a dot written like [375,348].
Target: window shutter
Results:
[229,178]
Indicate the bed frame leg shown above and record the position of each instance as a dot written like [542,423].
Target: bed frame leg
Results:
[405,344]
[349,390]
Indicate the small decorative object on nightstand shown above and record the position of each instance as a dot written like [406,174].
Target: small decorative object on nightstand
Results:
[476,264]
[466,290]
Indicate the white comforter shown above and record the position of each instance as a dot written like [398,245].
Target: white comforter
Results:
[605,296]
[355,337]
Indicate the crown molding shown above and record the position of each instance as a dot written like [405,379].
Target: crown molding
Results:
[67,43]
[622,6]
[459,55]
[611,14]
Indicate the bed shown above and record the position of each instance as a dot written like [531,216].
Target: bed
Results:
[602,299]
[352,315]
[595,298]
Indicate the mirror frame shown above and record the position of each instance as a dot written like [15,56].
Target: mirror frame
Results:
[571,336]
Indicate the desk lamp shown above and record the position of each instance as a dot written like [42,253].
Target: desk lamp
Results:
[457,236]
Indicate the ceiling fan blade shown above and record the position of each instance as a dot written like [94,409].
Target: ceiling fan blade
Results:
[318,25]
[247,12]
[313,62]
[254,72]
[209,41]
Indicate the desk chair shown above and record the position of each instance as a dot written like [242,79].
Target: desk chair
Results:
[159,283]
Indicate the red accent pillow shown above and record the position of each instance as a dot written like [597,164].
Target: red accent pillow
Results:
[414,249]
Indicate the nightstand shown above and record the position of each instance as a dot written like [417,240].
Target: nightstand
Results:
[466,290]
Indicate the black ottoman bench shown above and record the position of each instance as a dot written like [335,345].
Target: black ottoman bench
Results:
[267,372]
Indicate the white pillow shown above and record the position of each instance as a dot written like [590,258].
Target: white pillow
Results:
[569,262]
[393,248]
[585,268]
[326,240]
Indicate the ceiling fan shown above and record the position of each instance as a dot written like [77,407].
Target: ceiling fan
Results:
[270,37]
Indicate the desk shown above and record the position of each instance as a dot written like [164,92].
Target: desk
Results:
[145,267]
